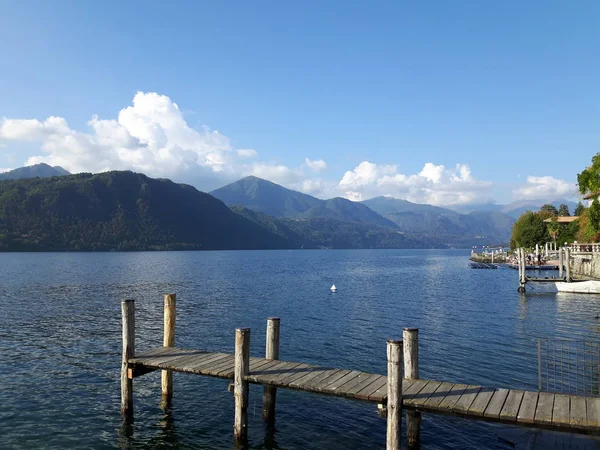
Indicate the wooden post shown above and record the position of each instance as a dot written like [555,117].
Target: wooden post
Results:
[561,263]
[169,341]
[240,385]
[128,314]
[522,275]
[394,394]
[410,338]
[567,263]
[271,352]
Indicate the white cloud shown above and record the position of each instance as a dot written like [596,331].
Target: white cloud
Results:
[317,165]
[247,153]
[434,184]
[4,170]
[544,188]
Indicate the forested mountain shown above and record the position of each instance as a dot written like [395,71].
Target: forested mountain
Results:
[347,211]
[263,196]
[442,222]
[324,232]
[121,211]
[41,170]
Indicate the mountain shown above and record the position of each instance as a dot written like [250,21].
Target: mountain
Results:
[263,196]
[475,228]
[121,211]
[517,208]
[324,232]
[266,197]
[39,170]
[347,211]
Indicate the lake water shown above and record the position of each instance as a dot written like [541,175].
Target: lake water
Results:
[60,341]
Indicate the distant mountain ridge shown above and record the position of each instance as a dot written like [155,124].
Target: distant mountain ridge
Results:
[41,170]
[429,223]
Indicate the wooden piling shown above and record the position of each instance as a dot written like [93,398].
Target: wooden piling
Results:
[271,352]
[394,394]
[561,263]
[568,263]
[410,338]
[128,315]
[169,341]
[240,385]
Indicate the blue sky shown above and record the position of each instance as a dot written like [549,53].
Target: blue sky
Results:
[379,95]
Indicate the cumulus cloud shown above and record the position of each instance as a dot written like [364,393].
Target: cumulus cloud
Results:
[247,153]
[317,165]
[544,188]
[434,184]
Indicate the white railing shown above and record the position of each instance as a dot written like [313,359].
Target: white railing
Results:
[585,248]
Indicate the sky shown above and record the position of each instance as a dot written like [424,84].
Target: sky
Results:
[447,103]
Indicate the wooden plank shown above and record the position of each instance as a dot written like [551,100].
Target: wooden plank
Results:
[182,362]
[326,382]
[364,393]
[512,404]
[577,414]
[453,396]
[380,395]
[197,366]
[528,406]
[481,401]
[466,399]
[440,394]
[301,372]
[418,400]
[277,373]
[593,412]
[226,364]
[309,384]
[545,406]
[283,378]
[334,386]
[496,403]
[141,357]
[299,382]
[268,369]
[257,363]
[560,412]
[413,389]
[365,382]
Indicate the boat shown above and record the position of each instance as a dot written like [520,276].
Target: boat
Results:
[333,288]
[579,286]
[480,265]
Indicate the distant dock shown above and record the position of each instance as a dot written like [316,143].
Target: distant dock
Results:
[400,388]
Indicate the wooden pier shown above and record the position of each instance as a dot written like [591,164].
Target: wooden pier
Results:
[400,388]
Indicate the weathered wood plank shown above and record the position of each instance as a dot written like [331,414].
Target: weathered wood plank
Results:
[418,400]
[593,412]
[307,377]
[364,393]
[481,402]
[466,399]
[365,381]
[560,412]
[335,386]
[577,414]
[438,396]
[511,406]
[545,406]
[182,362]
[528,406]
[413,390]
[281,371]
[292,372]
[271,368]
[453,396]
[303,370]
[309,384]
[380,395]
[496,402]
[326,382]
[257,363]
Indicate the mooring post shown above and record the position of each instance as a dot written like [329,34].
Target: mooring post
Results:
[522,275]
[240,384]
[561,263]
[271,352]
[169,341]
[394,394]
[128,315]
[410,338]
[567,263]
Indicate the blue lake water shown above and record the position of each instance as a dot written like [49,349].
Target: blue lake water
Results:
[60,341]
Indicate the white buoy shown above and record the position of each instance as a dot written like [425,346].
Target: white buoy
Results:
[333,288]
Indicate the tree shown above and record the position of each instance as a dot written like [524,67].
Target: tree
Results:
[563,210]
[589,183]
[530,229]
[550,208]
[579,209]
[554,229]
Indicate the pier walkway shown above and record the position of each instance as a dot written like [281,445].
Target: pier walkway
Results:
[401,388]
[507,406]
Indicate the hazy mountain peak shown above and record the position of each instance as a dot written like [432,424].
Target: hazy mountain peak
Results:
[41,170]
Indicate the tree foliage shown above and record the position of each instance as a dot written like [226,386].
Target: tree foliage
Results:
[589,179]
[549,208]
[579,209]
[563,210]
[530,229]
